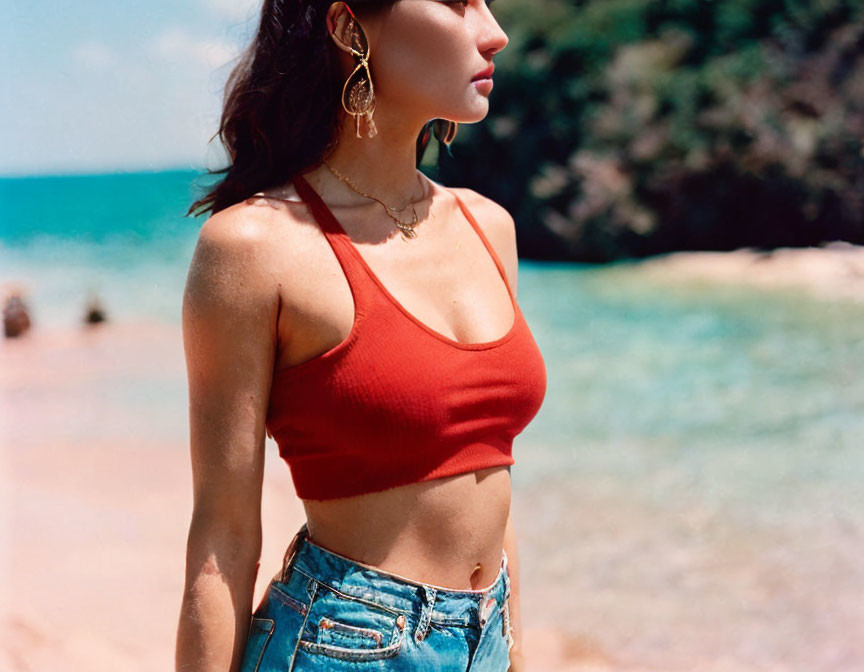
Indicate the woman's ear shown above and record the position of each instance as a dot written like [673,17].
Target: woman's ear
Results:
[344,29]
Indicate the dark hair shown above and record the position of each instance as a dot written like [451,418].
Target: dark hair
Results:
[281,108]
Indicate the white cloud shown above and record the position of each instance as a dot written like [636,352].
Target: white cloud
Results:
[177,45]
[95,56]
[233,10]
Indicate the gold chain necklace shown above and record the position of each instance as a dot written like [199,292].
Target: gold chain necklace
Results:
[407,228]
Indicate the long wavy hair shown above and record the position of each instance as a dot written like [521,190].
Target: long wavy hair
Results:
[281,110]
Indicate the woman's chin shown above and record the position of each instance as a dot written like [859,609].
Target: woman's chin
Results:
[478,110]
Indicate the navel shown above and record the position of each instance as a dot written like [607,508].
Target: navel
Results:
[475,575]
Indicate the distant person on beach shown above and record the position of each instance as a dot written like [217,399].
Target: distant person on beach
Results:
[95,311]
[364,317]
[16,315]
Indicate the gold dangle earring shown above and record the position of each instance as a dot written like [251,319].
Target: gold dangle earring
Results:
[445,131]
[358,93]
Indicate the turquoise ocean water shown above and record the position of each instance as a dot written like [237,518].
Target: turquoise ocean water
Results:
[697,466]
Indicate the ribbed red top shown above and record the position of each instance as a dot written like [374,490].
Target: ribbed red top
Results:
[397,402]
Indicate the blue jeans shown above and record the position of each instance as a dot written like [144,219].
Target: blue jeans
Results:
[324,611]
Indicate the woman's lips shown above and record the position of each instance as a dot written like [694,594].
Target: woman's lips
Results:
[484,74]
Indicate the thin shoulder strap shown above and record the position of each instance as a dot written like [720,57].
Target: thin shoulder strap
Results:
[343,248]
[320,211]
[485,241]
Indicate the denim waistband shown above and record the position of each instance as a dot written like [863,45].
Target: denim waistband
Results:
[446,606]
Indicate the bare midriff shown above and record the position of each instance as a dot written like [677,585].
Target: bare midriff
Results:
[448,532]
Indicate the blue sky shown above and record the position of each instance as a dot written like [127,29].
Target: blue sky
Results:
[101,86]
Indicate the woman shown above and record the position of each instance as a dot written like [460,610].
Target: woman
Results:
[380,344]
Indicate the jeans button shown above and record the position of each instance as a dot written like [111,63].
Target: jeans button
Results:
[486,609]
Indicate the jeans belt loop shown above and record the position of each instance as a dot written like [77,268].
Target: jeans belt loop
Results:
[291,552]
[426,613]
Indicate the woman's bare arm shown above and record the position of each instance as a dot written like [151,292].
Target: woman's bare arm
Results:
[230,307]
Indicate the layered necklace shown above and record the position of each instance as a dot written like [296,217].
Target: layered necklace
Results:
[407,228]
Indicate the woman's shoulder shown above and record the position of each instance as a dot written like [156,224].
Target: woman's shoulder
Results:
[253,217]
[252,245]
[497,224]
[226,266]
[259,226]
[493,217]
[240,224]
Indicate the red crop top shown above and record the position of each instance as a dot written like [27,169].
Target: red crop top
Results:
[396,402]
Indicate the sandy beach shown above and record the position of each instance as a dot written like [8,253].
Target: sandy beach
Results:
[97,500]
[97,503]
[834,271]
[96,486]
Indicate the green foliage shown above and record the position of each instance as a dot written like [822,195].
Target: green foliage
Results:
[628,127]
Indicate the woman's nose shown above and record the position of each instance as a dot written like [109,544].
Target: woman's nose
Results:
[495,39]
